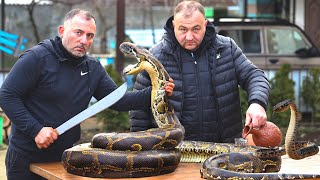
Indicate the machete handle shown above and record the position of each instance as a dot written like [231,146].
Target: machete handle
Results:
[55,130]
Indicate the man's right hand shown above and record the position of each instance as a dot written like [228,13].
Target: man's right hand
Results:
[169,87]
[45,137]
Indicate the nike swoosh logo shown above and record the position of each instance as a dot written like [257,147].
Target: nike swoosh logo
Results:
[83,73]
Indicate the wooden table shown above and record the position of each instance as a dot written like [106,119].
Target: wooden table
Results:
[185,171]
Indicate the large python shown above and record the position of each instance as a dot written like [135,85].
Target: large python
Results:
[134,154]
[159,150]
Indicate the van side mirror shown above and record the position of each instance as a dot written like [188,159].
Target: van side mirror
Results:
[314,52]
[305,53]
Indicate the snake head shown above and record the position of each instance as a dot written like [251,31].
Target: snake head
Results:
[135,51]
[282,106]
[146,61]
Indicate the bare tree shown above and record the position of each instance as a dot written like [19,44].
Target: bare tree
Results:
[30,9]
[68,2]
[105,24]
[151,22]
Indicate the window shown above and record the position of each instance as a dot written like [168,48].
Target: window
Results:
[285,41]
[247,40]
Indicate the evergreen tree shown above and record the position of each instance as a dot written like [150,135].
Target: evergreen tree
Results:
[243,103]
[311,92]
[282,88]
[114,121]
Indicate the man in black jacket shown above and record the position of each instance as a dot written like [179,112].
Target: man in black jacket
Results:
[51,83]
[207,69]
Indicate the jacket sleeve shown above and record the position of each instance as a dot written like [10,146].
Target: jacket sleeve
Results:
[141,119]
[134,100]
[129,101]
[251,78]
[21,80]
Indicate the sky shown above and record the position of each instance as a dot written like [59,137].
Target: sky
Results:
[17,1]
[21,1]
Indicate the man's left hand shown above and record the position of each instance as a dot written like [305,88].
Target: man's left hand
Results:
[256,115]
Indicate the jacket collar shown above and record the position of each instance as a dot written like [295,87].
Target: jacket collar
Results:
[56,48]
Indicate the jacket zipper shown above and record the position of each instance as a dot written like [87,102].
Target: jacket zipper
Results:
[195,61]
[199,93]
[219,127]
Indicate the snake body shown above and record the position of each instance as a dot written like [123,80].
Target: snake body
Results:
[159,150]
[134,154]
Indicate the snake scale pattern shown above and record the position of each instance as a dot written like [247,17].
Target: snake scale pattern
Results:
[159,150]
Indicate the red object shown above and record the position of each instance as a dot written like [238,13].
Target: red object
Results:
[268,135]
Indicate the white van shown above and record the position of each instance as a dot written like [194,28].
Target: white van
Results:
[271,43]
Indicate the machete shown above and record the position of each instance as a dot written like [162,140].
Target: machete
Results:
[97,107]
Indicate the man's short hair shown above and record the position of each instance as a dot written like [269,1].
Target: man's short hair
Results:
[188,7]
[75,12]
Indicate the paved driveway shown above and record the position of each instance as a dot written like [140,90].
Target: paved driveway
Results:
[3,151]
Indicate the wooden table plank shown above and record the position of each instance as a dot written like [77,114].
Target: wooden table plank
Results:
[55,171]
[186,171]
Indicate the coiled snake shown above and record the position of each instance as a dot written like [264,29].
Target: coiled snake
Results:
[159,150]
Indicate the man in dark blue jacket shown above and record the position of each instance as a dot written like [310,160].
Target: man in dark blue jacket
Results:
[207,69]
[51,83]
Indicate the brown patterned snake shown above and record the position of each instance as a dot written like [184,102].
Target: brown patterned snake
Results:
[159,150]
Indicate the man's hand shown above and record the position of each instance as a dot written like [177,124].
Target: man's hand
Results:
[256,115]
[45,137]
[169,87]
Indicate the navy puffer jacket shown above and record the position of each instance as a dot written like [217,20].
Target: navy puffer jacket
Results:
[229,69]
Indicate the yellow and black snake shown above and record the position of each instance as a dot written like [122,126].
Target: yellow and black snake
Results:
[159,150]
[133,154]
